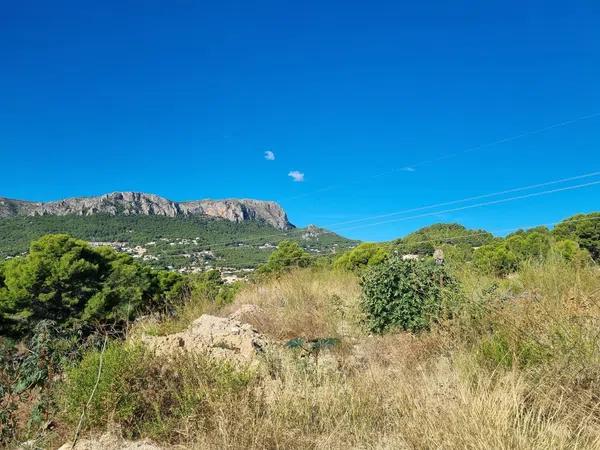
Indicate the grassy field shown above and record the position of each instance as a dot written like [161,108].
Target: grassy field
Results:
[515,364]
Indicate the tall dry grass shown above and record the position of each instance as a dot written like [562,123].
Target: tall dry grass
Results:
[304,303]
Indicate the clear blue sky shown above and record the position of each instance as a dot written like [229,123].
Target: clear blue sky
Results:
[182,99]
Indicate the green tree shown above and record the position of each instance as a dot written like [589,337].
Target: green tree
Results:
[362,256]
[583,229]
[572,252]
[288,254]
[532,244]
[496,259]
[65,280]
[427,239]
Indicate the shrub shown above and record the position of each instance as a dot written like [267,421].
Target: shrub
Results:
[571,251]
[404,294]
[584,229]
[287,255]
[362,256]
[496,259]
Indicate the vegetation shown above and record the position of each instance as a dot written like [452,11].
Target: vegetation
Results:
[504,256]
[65,280]
[583,229]
[287,255]
[404,294]
[363,256]
[144,395]
[367,350]
[425,240]
[170,241]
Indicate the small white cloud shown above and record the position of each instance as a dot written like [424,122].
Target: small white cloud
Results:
[408,169]
[297,176]
[269,155]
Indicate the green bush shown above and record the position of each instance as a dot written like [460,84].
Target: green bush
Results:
[404,294]
[362,256]
[496,259]
[583,229]
[288,255]
[210,286]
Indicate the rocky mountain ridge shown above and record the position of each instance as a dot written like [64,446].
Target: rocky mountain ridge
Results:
[138,203]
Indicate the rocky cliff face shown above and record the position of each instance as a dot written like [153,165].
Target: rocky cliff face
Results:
[131,203]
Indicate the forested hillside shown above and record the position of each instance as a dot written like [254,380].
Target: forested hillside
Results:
[170,242]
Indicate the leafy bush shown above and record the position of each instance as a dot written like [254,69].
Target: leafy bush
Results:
[288,255]
[496,259]
[362,256]
[66,280]
[404,294]
[583,229]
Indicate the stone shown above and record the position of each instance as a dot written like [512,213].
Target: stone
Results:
[221,337]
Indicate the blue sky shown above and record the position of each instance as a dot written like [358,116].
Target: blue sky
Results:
[182,99]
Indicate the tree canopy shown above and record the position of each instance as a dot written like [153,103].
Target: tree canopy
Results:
[66,280]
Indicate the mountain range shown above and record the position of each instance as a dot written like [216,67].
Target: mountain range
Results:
[186,236]
[138,203]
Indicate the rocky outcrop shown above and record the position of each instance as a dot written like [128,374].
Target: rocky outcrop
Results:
[219,337]
[137,203]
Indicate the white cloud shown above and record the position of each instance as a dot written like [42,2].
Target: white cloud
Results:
[408,169]
[269,155]
[297,176]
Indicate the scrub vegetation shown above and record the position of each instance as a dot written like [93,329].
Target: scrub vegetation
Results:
[495,345]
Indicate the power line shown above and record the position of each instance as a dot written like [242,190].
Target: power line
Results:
[478,205]
[467,199]
[494,194]
[410,167]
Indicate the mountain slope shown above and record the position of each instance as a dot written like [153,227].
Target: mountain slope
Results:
[185,242]
[136,203]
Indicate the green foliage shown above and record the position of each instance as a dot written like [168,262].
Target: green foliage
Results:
[404,294]
[65,280]
[143,394]
[287,255]
[504,256]
[496,259]
[571,251]
[426,240]
[583,229]
[362,256]
[210,286]
[503,350]
[176,241]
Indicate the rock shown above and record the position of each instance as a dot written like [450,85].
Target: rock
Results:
[217,336]
[110,441]
[139,203]
[410,257]
[248,313]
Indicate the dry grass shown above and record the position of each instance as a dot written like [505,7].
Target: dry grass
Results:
[304,303]
[516,367]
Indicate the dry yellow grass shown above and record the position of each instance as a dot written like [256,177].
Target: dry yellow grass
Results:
[304,303]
